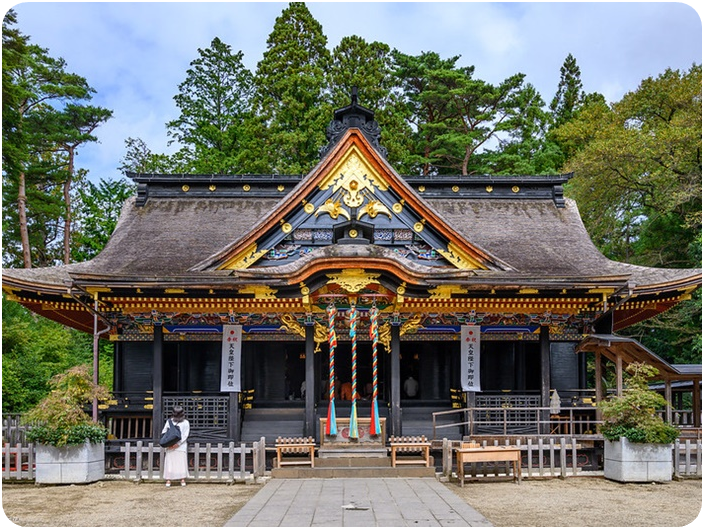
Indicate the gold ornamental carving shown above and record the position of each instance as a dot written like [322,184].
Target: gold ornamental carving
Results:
[460,258]
[259,291]
[353,183]
[385,336]
[373,208]
[412,324]
[334,209]
[291,325]
[245,258]
[445,291]
[353,279]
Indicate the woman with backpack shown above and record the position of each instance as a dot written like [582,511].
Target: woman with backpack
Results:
[176,458]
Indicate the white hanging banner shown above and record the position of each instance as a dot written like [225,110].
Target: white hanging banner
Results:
[231,358]
[469,366]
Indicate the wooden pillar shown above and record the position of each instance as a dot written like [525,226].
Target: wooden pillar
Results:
[668,398]
[519,362]
[234,410]
[467,428]
[582,360]
[157,380]
[310,382]
[96,356]
[619,375]
[395,380]
[545,375]
[696,403]
[597,381]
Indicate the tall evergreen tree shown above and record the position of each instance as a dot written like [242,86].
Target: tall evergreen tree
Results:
[291,99]
[214,101]
[414,76]
[474,111]
[570,95]
[38,88]
[75,127]
[523,148]
[97,212]
[140,159]
[369,67]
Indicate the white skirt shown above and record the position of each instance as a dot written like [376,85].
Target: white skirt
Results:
[175,464]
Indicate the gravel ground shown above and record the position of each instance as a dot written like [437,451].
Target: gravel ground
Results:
[572,502]
[584,502]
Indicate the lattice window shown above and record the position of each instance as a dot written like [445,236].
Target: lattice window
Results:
[204,414]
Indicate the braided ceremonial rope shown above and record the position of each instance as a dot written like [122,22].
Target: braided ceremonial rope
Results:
[374,427]
[354,430]
[331,426]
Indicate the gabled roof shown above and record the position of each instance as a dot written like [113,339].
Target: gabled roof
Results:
[353,182]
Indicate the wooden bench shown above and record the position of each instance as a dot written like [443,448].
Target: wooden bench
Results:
[473,453]
[417,446]
[296,446]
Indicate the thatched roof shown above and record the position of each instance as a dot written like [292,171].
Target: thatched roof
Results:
[168,236]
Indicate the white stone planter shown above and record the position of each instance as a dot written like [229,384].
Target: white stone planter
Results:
[637,462]
[70,464]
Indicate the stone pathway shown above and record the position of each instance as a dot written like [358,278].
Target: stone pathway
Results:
[356,502]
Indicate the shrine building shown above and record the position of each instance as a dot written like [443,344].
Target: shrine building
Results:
[264,303]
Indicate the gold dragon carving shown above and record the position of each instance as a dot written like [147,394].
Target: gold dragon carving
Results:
[290,324]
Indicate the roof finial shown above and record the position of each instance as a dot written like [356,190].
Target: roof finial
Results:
[354,95]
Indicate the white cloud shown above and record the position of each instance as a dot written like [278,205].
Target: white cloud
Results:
[136,54]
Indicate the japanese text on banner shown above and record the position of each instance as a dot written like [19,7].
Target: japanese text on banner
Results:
[469,366]
[231,358]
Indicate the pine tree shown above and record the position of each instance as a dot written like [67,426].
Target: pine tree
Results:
[523,148]
[570,95]
[291,100]
[369,67]
[414,77]
[215,103]
[36,91]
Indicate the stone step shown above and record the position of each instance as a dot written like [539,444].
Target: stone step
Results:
[350,462]
[353,453]
[353,472]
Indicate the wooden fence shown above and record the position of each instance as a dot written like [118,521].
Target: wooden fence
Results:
[14,430]
[687,458]
[216,462]
[553,457]
[17,462]
[558,457]
[206,461]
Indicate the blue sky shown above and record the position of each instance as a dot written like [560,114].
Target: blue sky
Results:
[135,54]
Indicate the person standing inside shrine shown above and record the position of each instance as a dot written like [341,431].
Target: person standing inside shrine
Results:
[176,458]
[410,386]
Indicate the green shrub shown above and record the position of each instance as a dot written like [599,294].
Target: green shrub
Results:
[633,415]
[62,436]
[60,417]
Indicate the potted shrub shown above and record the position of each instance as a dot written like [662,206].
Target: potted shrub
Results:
[69,446]
[637,442]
